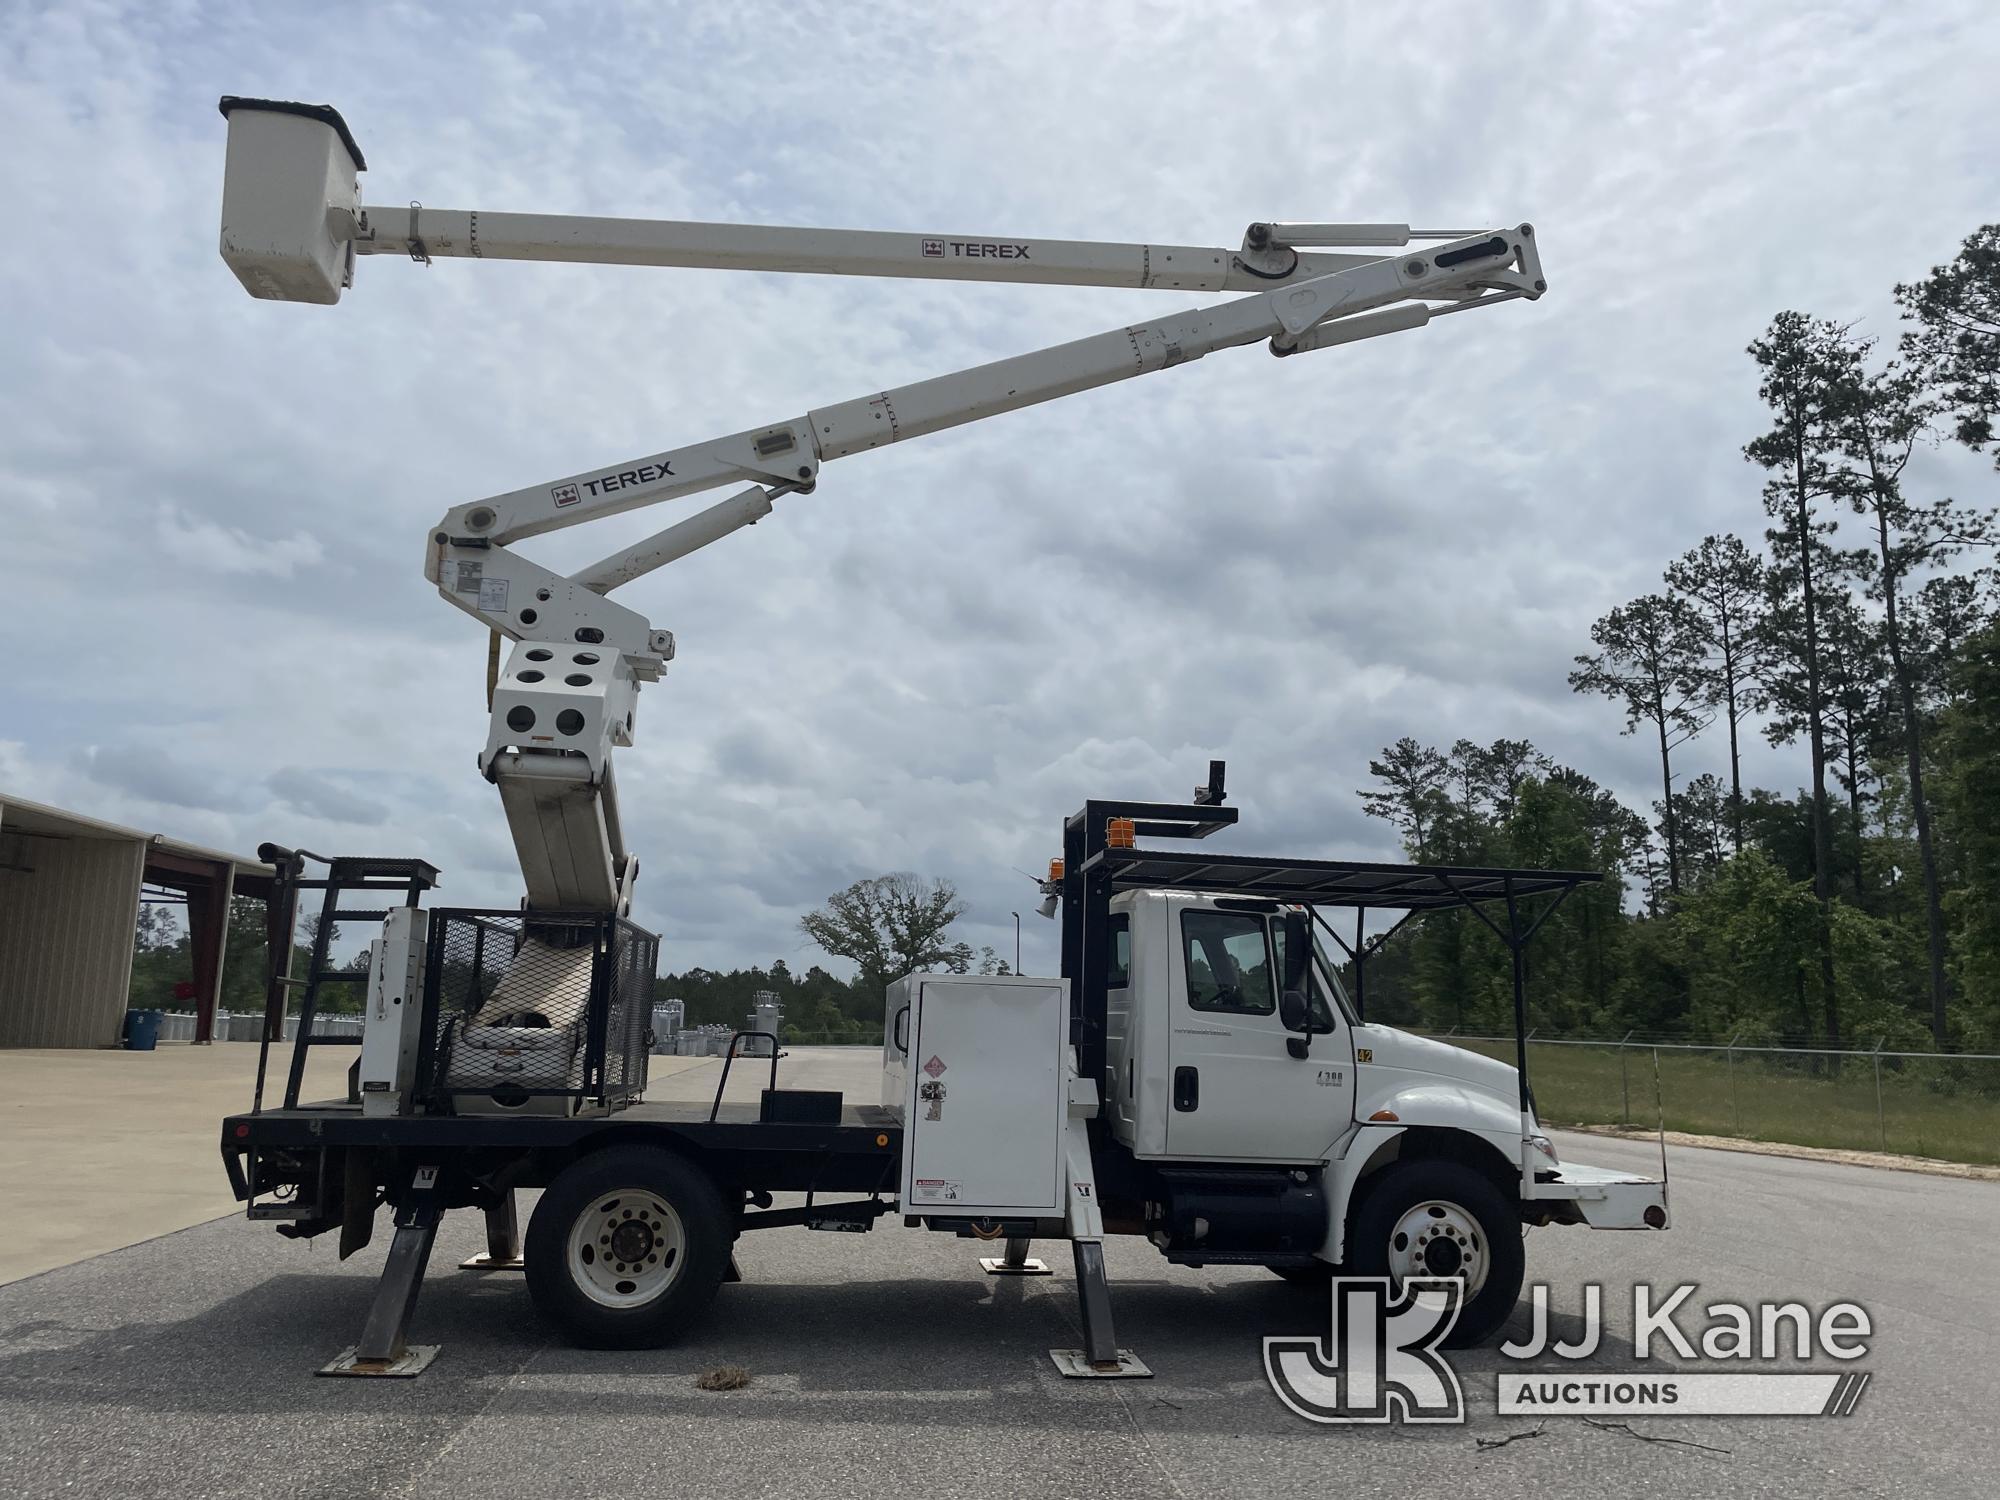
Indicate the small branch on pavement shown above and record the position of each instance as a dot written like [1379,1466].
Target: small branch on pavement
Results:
[1647,1437]
[1512,1437]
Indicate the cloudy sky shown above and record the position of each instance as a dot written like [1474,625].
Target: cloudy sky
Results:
[212,509]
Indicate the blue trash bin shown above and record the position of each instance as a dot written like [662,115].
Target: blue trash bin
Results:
[142,1029]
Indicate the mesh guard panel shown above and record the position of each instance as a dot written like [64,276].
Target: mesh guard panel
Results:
[535,1012]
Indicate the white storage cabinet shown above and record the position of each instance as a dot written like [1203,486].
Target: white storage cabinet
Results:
[974,1064]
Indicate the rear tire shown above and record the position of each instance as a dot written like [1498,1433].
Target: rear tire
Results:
[1443,1218]
[626,1248]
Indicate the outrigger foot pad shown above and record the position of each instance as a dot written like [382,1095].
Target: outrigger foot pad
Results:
[1075,1365]
[414,1360]
[996,1265]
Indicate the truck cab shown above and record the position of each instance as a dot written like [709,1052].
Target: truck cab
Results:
[1202,1058]
[1198,1048]
[1249,1114]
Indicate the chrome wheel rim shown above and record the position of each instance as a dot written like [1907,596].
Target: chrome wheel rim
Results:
[626,1248]
[1439,1239]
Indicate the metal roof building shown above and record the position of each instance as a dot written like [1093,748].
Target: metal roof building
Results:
[70,889]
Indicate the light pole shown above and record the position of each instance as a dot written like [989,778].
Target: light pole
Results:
[1017,941]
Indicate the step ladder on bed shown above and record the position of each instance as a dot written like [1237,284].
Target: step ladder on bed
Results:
[346,877]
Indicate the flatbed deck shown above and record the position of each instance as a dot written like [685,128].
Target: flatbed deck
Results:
[335,1122]
[860,1153]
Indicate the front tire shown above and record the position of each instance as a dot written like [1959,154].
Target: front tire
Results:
[1442,1218]
[626,1248]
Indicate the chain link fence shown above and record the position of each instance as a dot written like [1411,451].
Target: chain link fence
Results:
[248,1026]
[1944,1105]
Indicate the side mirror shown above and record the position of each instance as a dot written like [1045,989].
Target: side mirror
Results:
[1298,949]
[1295,1010]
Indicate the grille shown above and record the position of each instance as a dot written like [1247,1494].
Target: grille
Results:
[535,1013]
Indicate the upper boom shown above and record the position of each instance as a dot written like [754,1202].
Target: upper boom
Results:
[293,224]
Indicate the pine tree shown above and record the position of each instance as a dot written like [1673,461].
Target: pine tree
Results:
[1878,419]
[1956,342]
[1416,776]
[1649,656]
[1724,581]
[1794,357]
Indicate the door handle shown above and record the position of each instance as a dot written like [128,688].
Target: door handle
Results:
[1187,1089]
[899,1031]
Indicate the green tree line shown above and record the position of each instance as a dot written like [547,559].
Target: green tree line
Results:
[1864,905]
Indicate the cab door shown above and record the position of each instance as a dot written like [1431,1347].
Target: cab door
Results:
[1237,1092]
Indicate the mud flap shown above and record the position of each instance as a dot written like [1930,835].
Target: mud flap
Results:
[358,1200]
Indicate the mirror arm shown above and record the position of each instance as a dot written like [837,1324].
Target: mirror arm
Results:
[1299,1046]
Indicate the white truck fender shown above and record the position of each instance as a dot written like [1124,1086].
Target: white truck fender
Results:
[1350,1163]
[1446,1103]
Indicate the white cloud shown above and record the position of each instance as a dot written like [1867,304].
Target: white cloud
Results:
[219,505]
[318,795]
[230,549]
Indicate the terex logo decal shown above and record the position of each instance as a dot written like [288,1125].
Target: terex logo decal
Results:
[566,494]
[974,250]
[626,479]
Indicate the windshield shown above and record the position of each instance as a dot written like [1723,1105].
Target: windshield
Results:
[1327,966]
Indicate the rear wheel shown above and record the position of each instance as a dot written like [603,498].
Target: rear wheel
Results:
[1443,1219]
[626,1248]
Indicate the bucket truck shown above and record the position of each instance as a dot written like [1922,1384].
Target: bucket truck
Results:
[1196,1075]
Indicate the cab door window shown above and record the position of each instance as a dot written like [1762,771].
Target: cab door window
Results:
[1228,962]
[1118,952]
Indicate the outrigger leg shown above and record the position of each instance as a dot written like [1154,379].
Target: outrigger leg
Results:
[382,1350]
[1100,1358]
[503,1239]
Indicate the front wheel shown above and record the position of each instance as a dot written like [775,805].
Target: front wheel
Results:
[1443,1219]
[626,1248]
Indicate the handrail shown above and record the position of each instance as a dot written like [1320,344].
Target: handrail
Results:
[730,1057]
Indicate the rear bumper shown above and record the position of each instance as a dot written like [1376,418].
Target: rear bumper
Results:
[1600,1197]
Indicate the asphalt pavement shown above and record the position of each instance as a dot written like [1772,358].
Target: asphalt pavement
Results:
[101,1148]
[889,1365]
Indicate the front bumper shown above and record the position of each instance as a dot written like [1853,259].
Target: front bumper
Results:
[1600,1197]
